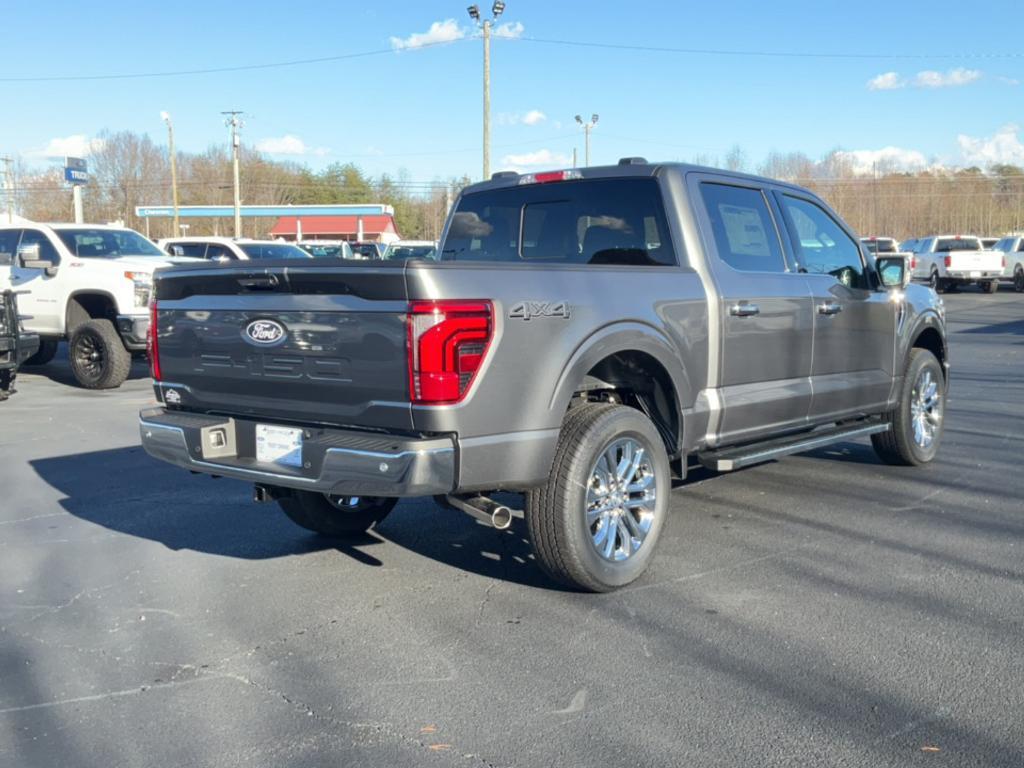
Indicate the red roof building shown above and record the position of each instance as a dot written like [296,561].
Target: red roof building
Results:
[380,229]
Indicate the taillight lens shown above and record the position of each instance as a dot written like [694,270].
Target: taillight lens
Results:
[153,343]
[948,261]
[448,341]
[913,263]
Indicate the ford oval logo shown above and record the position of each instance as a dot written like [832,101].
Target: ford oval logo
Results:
[264,331]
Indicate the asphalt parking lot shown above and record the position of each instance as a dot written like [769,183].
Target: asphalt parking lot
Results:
[821,610]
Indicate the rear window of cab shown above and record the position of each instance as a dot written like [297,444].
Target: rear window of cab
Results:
[597,222]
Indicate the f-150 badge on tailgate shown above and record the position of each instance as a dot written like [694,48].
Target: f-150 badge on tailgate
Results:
[264,331]
[527,310]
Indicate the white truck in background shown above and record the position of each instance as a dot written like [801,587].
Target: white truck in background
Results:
[947,262]
[87,284]
[1012,248]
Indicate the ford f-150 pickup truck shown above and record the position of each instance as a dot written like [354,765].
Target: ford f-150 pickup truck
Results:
[947,262]
[583,335]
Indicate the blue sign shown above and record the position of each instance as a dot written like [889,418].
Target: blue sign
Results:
[276,211]
[76,171]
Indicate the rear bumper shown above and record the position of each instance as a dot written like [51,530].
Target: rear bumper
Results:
[974,274]
[344,462]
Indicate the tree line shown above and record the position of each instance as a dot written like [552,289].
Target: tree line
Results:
[128,169]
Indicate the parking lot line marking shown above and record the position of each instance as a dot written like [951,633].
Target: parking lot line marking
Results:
[111,694]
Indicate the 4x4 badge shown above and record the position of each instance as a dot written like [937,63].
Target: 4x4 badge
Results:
[527,310]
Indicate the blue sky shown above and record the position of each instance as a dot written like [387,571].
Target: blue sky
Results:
[420,110]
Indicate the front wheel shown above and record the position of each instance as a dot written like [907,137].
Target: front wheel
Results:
[98,358]
[595,523]
[332,515]
[915,425]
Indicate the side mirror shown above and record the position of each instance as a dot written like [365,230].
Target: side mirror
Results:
[28,258]
[893,271]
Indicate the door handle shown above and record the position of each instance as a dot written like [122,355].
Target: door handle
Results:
[830,308]
[744,310]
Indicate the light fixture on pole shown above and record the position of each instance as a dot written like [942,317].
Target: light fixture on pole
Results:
[166,117]
[587,128]
[485,28]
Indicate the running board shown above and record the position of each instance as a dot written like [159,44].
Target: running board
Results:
[728,459]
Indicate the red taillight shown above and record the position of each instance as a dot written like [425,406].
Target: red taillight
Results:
[152,342]
[546,177]
[1002,261]
[447,342]
[949,261]
[913,263]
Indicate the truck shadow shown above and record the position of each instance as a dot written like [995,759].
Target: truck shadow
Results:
[217,517]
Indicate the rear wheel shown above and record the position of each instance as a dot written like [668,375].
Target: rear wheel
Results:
[595,523]
[915,425]
[45,353]
[98,358]
[991,286]
[333,515]
[1018,280]
[933,281]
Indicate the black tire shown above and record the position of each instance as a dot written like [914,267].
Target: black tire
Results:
[7,377]
[990,286]
[898,446]
[556,513]
[335,516]
[1018,280]
[949,286]
[98,358]
[45,353]
[933,281]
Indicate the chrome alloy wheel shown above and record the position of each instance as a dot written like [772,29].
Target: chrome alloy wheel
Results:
[925,408]
[621,499]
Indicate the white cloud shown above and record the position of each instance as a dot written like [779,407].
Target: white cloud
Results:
[885,160]
[1003,147]
[951,79]
[289,145]
[534,117]
[446,31]
[929,78]
[887,81]
[77,145]
[510,29]
[541,158]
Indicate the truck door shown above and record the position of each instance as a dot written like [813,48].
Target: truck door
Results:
[43,302]
[854,324]
[764,309]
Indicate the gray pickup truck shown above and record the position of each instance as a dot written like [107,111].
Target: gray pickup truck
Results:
[583,336]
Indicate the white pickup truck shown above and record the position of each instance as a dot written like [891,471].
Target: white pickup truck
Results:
[86,283]
[946,262]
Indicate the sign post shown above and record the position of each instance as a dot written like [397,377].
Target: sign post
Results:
[76,173]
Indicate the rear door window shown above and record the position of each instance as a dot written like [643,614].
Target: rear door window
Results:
[743,228]
[193,250]
[597,222]
[216,252]
[8,245]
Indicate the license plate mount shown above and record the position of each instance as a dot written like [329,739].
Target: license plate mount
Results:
[278,445]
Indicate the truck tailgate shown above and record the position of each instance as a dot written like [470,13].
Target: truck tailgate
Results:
[311,344]
[975,261]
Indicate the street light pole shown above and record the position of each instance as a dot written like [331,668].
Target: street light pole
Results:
[485,27]
[234,122]
[174,167]
[587,128]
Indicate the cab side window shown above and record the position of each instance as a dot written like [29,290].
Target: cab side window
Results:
[8,246]
[821,245]
[743,228]
[46,250]
[218,253]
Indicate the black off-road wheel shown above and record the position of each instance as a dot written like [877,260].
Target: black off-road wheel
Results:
[98,358]
[335,516]
[916,424]
[45,353]
[595,523]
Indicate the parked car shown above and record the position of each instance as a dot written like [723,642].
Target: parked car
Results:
[908,246]
[987,243]
[411,249]
[947,262]
[327,249]
[16,344]
[89,284]
[1012,248]
[230,248]
[366,250]
[584,331]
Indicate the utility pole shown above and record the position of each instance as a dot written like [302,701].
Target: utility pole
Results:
[235,123]
[485,26]
[587,128]
[174,168]
[7,160]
